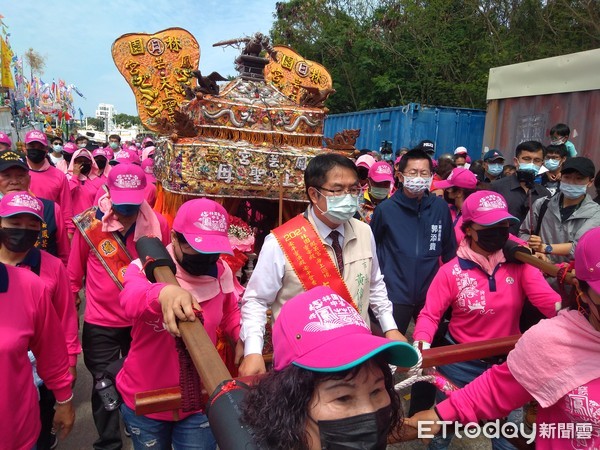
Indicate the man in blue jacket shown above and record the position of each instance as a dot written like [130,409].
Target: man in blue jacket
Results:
[412,231]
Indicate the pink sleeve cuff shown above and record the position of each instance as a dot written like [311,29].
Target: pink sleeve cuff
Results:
[63,394]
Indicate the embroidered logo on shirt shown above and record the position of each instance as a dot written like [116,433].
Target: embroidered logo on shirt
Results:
[585,414]
[469,298]
[510,280]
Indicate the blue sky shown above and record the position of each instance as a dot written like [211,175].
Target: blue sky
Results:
[75,37]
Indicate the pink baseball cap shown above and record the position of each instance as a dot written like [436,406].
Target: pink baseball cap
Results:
[5,139]
[318,330]
[70,147]
[126,157]
[381,171]
[127,184]
[460,178]
[21,202]
[486,208]
[148,167]
[365,161]
[100,152]
[36,136]
[83,152]
[587,258]
[204,224]
[460,150]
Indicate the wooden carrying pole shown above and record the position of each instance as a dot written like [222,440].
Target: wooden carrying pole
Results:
[206,359]
[544,266]
[170,398]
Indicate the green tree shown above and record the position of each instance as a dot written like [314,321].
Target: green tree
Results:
[390,52]
[126,120]
[96,122]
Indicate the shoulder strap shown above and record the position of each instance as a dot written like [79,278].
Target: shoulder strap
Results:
[543,209]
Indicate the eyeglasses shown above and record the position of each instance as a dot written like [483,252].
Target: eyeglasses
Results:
[354,191]
[415,173]
[529,159]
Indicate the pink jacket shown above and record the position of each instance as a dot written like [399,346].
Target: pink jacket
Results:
[102,293]
[483,307]
[52,184]
[573,422]
[27,322]
[83,188]
[54,274]
[139,299]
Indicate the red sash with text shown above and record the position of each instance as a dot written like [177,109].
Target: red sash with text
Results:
[109,249]
[308,256]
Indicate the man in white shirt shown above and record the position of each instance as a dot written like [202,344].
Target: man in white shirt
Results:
[332,187]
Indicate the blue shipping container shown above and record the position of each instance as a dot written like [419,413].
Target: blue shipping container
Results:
[406,126]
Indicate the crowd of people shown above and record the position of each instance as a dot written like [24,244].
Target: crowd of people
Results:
[381,243]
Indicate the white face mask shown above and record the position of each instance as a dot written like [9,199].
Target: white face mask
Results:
[572,191]
[416,185]
[340,209]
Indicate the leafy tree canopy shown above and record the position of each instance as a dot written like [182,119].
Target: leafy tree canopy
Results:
[383,53]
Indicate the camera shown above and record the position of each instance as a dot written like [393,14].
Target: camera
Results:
[386,150]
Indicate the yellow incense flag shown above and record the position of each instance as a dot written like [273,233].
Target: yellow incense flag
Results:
[6,78]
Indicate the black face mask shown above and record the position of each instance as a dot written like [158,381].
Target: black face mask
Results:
[86,169]
[198,263]
[363,173]
[527,177]
[19,240]
[449,200]
[363,432]
[492,239]
[101,162]
[36,155]
[126,210]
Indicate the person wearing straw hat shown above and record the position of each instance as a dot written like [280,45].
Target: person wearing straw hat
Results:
[331,386]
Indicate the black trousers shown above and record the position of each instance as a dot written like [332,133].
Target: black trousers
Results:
[47,416]
[422,394]
[101,346]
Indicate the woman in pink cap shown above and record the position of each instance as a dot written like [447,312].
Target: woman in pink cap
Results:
[29,322]
[198,238]
[556,363]
[363,164]
[68,150]
[486,292]
[331,386]
[84,180]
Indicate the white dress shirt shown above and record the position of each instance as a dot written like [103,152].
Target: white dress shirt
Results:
[267,280]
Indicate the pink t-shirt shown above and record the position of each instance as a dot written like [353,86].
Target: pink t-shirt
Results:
[102,293]
[52,184]
[571,423]
[139,299]
[84,192]
[27,322]
[54,274]
[478,313]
